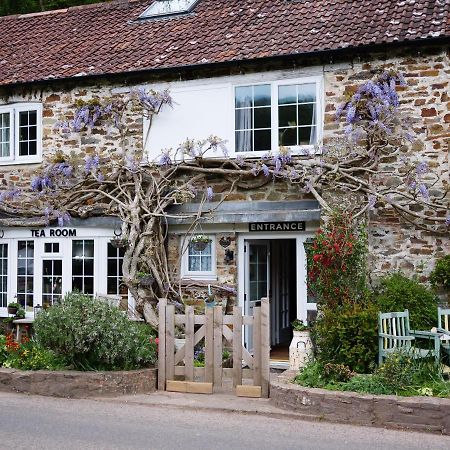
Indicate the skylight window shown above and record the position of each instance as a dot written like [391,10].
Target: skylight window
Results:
[168,8]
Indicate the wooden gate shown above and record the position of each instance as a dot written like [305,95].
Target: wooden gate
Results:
[249,372]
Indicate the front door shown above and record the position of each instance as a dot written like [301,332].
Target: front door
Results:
[52,277]
[257,279]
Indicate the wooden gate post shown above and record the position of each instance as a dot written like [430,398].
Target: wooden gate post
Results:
[218,332]
[237,346]
[265,347]
[162,344]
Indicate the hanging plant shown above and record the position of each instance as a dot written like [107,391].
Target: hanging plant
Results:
[119,242]
[200,242]
[145,279]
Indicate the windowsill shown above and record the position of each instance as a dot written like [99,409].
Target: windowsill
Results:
[303,150]
[15,162]
[189,277]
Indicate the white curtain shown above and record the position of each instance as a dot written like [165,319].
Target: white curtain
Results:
[244,143]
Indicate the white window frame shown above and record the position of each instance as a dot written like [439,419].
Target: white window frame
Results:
[14,110]
[297,149]
[198,275]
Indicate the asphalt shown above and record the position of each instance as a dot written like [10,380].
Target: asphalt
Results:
[179,421]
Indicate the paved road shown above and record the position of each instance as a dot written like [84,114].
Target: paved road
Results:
[31,422]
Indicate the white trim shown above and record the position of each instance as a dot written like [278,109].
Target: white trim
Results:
[302,305]
[100,236]
[274,84]
[14,110]
[197,275]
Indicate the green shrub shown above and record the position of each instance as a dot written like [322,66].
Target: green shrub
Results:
[92,335]
[367,384]
[440,276]
[3,353]
[348,335]
[397,293]
[312,376]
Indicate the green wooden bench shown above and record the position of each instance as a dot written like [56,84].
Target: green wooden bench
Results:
[444,328]
[394,334]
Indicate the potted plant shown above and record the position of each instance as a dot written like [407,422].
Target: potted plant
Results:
[200,242]
[13,307]
[300,350]
[145,279]
[118,242]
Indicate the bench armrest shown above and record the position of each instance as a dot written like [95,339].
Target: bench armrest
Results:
[423,334]
[399,338]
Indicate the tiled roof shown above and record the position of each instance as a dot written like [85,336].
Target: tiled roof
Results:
[108,38]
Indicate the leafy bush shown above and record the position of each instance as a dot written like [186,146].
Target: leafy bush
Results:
[348,335]
[440,276]
[367,384]
[312,376]
[3,352]
[397,293]
[337,262]
[92,335]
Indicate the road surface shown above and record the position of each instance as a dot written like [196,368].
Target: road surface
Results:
[32,422]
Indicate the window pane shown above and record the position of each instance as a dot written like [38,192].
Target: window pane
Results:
[23,148]
[262,117]
[23,118]
[262,95]
[77,267]
[244,119]
[244,97]
[23,134]
[288,136]
[32,133]
[32,117]
[206,264]
[306,114]
[287,116]
[244,141]
[88,267]
[77,284]
[262,140]
[306,135]
[306,93]
[194,264]
[4,135]
[287,94]
[77,249]
[112,267]
[89,285]
[88,249]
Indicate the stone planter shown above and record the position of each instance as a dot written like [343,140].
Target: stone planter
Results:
[300,350]
[74,384]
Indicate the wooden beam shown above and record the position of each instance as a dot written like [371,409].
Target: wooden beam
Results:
[170,342]
[162,344]
[248,391]
[237,346]
[189,347]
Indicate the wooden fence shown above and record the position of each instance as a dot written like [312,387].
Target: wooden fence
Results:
[176,369]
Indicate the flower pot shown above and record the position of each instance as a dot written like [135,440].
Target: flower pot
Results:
[199,246]
[12,310]
[146,281]
[300,350]
[118,243]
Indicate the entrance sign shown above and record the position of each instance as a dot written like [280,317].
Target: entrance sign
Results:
[58,232]
[277,226]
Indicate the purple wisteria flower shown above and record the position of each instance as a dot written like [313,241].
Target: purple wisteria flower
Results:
[372,201]
[265,170]
[209,193]
[422,168]
[447,220]
[424,191]
[165,160]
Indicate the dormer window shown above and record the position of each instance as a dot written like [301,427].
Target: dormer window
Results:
[161,8]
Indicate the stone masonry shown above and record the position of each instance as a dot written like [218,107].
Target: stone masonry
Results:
[394,244]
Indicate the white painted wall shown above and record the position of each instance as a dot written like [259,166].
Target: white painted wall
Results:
[206,107]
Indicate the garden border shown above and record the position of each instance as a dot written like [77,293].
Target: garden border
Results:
[75,384]
[413,413]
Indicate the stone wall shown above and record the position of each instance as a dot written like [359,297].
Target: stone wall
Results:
[73,384]
[413,413]
[394,244]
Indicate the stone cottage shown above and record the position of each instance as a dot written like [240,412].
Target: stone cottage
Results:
[257,73]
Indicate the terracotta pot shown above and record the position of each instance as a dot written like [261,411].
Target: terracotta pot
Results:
[12,310]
